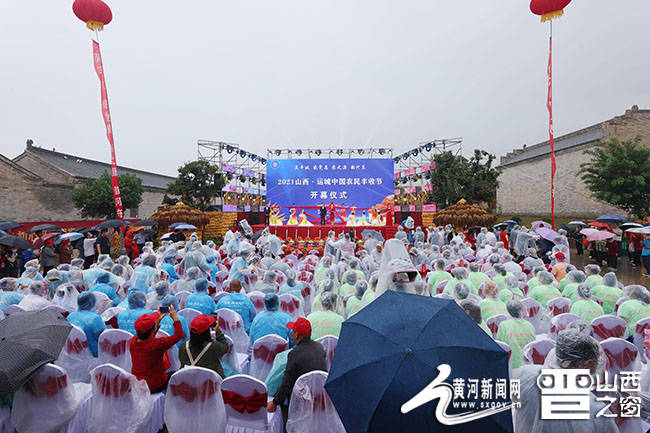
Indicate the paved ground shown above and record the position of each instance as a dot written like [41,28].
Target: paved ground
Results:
[625,272]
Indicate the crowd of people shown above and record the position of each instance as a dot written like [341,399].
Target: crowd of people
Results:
[513,274]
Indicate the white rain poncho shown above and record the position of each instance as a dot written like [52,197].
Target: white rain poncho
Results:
[154,298]
[196,258]
[396,271]
[418,236]
[275,245]
[524,241]
[35,300]
[121,403]
[66,297]
[401,234]
[194,403]
[188,283]
[310,408]
[75,357]
[48,401]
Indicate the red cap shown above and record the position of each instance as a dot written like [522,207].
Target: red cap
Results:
[146,322]
[301,326]
[560,256]
[202,323]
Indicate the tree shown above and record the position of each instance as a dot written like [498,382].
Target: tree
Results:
[456,177]
[95,197]
[619,174]
[197,184]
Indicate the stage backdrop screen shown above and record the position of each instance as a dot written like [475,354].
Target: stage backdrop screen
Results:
[362,183]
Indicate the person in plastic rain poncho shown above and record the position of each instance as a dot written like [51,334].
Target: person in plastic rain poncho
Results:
[418,236]
[516,332]
[573,350]
[511,288]
[239,268]
[86,318]
[531,260]
[169,260]
[136,301]
[142,274]
[155,297]
[492,305]
[439,274]
[544,291]
[460,276]
[200,300]
[461,290]
[35,298]
[501,275]
[233,244]
[267,261]
[292,286]
[593,275]
[350,279]
[7,294]
[355,303]
[188,282]
[66,297]
[323,266]
[573,280]
[636,308]
[53,279]
[30,274]
[396,271]
[474,312]
[167,324]
[326,285]
[608,292]
[401,234]
[492,260]
[270,321]
[476,276]
[103,287]
[585,307]
[237,302]
[326,322]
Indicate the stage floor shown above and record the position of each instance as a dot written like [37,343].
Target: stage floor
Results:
[320,232]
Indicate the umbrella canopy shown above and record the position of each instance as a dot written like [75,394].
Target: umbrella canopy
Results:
[578,223]
[108,224]
[173,226]
[594,235]
[72,236]
[46,237]
[627,226]
[463,214]
[615,219]
[9,225]
[257,235]
[641,230]
[372,234]
[600,224]
[166,236]
[146,223]
[537,224]
[185,226]
[385,357]
[547,233]
[45,227]
[15,242]
[29,340]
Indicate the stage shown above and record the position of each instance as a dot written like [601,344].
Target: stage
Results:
[320,232]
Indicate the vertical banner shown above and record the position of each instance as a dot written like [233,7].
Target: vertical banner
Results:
[549,105]
[106,113]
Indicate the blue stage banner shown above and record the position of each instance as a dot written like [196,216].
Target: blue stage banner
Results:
[362,183]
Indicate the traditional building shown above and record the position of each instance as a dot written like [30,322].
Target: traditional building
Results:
[37,185]
[524,184]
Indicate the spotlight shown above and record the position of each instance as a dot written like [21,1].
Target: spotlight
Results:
[253,157]
[382,151]
[396,159]
[361,151]
[242,178]
[427,147]
[242,153]
[263,182]
[263,161]
[229,149]
[278,152]
[339,151]
[298,152]
[318,152]
[415,152]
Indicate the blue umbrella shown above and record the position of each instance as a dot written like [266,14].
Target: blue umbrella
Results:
[8,225]
[391,350]
[611,219]
[72,236]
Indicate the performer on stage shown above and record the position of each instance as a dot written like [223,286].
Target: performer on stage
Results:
[303,221]
[293,218]
[362,221]
[331,208]
[352,219]
[322,213]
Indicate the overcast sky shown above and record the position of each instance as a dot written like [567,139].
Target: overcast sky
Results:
[317,73]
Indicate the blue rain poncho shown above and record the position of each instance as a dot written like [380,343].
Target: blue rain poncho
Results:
[141,278]
[270,322]
[7,296]
[126,319]
[292,286]
[239,303]
[200,300]
[167,323]
[171,271]
[274,378]
[86,318]
[108,291]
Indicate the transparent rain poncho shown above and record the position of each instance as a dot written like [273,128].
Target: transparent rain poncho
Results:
[154,298]
[188,283]
[35,300]
[116,391]
[310,408]
[396,271]
[66,297]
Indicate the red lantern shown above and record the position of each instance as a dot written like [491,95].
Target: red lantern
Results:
[548,9]
[95,13]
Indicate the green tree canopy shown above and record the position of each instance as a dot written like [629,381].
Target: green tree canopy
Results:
[456,177]
[197,184]
[95,197]
[619,174]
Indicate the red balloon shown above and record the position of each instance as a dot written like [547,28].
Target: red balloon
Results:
[95,13]
[548,9]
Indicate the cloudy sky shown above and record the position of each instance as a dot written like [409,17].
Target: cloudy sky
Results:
[295,73]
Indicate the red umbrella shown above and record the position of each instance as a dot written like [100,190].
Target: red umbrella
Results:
[599,224]
[46,237]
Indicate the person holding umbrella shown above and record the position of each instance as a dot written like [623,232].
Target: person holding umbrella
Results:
[308,355]
[102,244]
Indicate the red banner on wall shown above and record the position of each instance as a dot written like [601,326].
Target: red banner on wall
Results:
[106,113]
[549,105]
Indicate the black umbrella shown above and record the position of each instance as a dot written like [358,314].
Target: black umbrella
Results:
[15,242]
[257,235]
[151,233]
[145,223]
[9,225]
[111,224]
[29,340]
[45,227]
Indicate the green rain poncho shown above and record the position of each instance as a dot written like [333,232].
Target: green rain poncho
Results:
[516,333]
[436,277]
[571,291]
[609,296]
[533,282]
[477,278]
[544,293]
[368,297]
[354,305]
[449,287]
[491,307]
[501,280]
[594,280]
[587,309]
[324,323]
[633,311]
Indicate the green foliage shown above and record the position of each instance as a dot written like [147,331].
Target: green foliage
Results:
[619,174]
[456,177]
[169,200]
[197,184]
[95,197]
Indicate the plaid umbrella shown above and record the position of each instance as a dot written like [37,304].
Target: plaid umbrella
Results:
[29,340]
